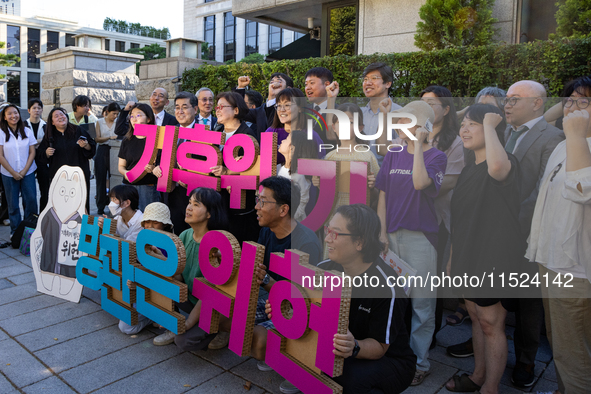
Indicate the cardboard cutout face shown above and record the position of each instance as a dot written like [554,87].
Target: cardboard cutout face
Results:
[54,244]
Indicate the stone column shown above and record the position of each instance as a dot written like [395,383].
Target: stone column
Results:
[104,76]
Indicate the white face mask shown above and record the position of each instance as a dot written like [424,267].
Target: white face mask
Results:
[114,208]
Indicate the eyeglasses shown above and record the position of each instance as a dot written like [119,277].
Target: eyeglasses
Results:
[220,107]
[259,201]
[373,79]
[138,116]
[207,100]
[581,103]
[280,107]
[511,101]
[333,235]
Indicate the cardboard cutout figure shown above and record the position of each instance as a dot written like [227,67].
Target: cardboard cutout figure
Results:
[54,244]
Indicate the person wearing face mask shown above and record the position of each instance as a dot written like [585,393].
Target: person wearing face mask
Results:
[66,144]
[124,208]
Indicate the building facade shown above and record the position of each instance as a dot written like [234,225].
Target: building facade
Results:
[228,37]
[28,37]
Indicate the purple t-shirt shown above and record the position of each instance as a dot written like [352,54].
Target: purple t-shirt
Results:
[282,134]
[407,207]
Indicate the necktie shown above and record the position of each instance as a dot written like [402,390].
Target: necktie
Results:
[515,134]
[317,108]
[204,120]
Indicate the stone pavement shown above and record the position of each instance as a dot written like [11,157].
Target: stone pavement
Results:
[48,345]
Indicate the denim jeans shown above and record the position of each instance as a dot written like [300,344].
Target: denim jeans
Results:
[13,189]
[414,248]
[148,194]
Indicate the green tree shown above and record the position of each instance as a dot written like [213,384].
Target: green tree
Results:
[253,58]
[342,31]
[150,52]
[7,60]
[137,29]
[573,18]
[453,23]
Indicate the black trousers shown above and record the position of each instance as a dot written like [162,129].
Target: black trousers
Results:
[102,171]
[387,375]
[177,201]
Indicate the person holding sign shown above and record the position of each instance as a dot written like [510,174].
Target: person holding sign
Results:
[378,357]
[131,151]
[409,181]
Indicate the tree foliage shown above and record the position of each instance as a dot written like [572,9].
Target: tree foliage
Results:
[342,31]
[573,19]
[253,58]
[136,29]
[7,60]
[464,71]
[453,23]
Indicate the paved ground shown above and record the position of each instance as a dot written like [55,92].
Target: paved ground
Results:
[48,345]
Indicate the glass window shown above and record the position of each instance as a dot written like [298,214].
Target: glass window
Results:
[53,40]
[275,39]
[252,38]
[33,85]
[14,87]
[298,35]
[107,45]
[33,46]
[134,45]
[229,36]
[208,47]
[70,40]
[120,46]
[13,45]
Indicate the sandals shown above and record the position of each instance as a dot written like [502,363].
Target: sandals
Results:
[455,320]
[419,377]
[463,384]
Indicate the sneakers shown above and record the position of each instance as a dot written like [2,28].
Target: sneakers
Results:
[288,388]
[523,375]
[164,339]
[461,350]
[6,222]
[262,366]
[220,341]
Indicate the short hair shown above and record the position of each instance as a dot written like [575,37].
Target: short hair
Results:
[204,89]
[281,188]
[236,101]
[147,110]
[254,97]
[581,85]
[385,71]
[493,91]
[364,224]
[476,113]
[212,200]
[289,94]
[34,101]
[186,95]
[113,107]
[285,77]
[126,192]
[320,72]
[81,101]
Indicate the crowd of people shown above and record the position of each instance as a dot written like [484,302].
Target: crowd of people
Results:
[501,186]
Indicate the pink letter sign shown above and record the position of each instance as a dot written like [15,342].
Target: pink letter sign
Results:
[301,345]
[225,289]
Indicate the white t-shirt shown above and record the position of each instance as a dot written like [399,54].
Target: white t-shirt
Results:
[16,151]
[130,230]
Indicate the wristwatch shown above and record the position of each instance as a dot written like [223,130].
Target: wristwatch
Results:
[356,349]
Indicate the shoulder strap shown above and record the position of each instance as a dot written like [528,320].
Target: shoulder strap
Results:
[85,118]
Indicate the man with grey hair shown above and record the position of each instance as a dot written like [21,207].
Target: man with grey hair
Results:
[158,100]
[205,99]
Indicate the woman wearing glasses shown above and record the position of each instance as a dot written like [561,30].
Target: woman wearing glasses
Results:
[130,153]
[66,144]
[560,242]
[231,110]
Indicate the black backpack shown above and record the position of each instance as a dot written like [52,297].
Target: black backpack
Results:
[30,221]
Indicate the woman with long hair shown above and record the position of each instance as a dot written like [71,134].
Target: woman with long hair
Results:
[17,157]
[204,213]
[130,153]
[66,144]
[105,134]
